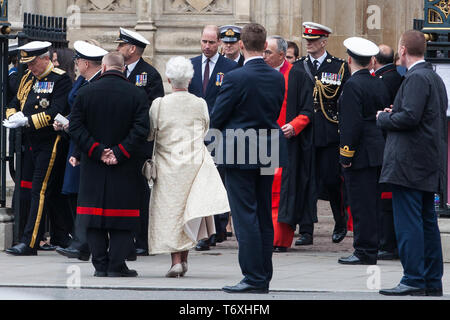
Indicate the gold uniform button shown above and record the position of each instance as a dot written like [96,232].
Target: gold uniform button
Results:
[36,107]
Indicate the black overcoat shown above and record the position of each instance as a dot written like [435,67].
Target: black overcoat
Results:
[416,146]
[110,113]
[297,183]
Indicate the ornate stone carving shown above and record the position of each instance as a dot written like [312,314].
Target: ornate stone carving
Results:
[198,6]
[106,5]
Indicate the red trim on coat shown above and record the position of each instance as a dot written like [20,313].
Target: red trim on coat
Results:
[26,184]
[95,145]
[107,212]
[386,195]
[124,151]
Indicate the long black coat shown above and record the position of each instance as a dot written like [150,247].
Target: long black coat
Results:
[297,183]
[110,113]
[416,146]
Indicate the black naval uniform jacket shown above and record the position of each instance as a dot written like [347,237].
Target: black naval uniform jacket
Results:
[416,146]
[46,98]
[391,78]
[362,142]
[148,78]
[325,132]
[110,113]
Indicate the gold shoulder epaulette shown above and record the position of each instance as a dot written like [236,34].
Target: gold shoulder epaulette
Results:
[58,71]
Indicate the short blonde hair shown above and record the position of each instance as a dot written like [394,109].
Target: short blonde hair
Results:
[180,72]
[114,61]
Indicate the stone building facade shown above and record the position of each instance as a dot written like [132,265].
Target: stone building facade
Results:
[174,26]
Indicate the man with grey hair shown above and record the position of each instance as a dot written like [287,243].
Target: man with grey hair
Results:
[275,56]
[42,94]
[110,124]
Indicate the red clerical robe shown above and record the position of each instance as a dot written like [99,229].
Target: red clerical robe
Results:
[283,233]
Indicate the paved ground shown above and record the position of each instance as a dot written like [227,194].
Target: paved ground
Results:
[308,273]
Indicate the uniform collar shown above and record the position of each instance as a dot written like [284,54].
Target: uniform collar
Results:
[321,59]
[47,71]
[131,66]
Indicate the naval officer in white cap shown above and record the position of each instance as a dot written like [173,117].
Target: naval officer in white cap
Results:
[132,45]
[42,94]
[361,147]
[88,58]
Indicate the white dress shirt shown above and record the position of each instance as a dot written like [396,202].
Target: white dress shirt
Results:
[131,67]
[320,60]
[212,64]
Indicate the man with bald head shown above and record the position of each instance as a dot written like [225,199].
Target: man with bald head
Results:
[386,70]
[110,124]
[210,69]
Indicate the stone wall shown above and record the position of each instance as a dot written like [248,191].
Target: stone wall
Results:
[174,26]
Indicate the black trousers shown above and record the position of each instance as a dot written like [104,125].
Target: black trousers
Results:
[79,236]
[141,237]
[109,248]
[221,220]
[329,187]
[364,196]
[49,163]
[25,187]
[250,199]
[386,230]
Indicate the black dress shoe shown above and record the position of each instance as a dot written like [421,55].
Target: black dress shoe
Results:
[221,237]
[69,252]
[243,287]
[47,247]
[202,245]
[434,292]
[100,274]
[305,240]
[338,236]
[279,249]
[354,260]
[127,273]
[386,255]
[403,290]
[142,252]
[229,234]
[22,249]
[212,240]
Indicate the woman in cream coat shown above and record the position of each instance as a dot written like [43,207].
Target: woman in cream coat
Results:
[188,190]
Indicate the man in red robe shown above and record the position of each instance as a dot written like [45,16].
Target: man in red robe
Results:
[275,56]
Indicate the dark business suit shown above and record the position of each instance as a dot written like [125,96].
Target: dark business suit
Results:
[415,163]
[393,80]
[146,77]
[250,99]
[223,65]
[362,145]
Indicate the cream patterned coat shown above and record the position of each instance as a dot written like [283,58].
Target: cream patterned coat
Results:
[188,190]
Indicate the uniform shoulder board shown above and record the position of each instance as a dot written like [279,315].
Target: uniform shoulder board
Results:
[59,71]
[338,59]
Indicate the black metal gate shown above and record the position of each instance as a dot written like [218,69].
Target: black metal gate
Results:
[35,28]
